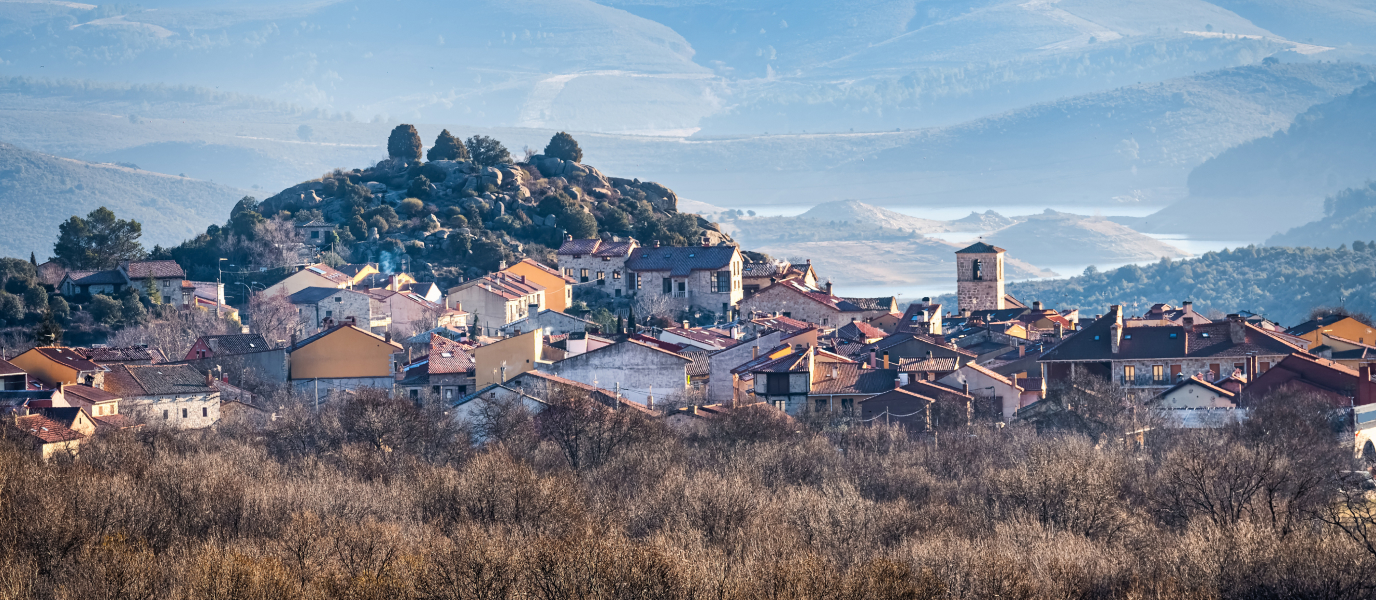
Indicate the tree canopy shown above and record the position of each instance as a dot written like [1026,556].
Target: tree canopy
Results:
[447,147]
[487,152]
[99,241]
[404,142]
[562,145]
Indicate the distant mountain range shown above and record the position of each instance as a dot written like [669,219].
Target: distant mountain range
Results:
[1268,185]
[39,191]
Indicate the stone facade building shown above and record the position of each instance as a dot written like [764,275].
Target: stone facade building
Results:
[600,263]
[320,308]
[979,278]
[794,300]
[173,395]
[637,369]
[706,277]
[496,300]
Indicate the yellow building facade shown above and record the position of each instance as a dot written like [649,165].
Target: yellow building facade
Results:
[500,361]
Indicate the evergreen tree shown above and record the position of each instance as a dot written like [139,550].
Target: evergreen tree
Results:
[447,147]
[630,321]
[150,287]
[562,145]
[404,143]
[99,241]
[620,325]
[488,152]
[579,224]
[48,332]
[33,260]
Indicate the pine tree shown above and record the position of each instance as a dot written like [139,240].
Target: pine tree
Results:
[488,152]
[404,143]
[33,260]
[447,147]
[150,287]
[620,325]
[630,322]
[48,331]
[562,145]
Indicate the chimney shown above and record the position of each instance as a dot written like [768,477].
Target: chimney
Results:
[209,379]
[965,387]
[1036,305]
[706,241]
[1022,351]
[897,383]
[755,352]
[1366,390]
[501,266]
[568,237]
[828,287]
[926,299]
[903,378]
[387,337]
[1187,306]
[656,245]
[694,408]
[1060,330]
[873,357]
[886,359]
[1237,329]
[1189,324]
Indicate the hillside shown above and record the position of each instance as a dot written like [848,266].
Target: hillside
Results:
[1057,238]
[1349,215]
[1279,282]
[1328,148]
[39,191]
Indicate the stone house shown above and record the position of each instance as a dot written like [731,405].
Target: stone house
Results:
[446,373]
[343,358]
[496,300]
[320,308]
[239,357]
[1156,358]
[707,277]
[595,262]
[920,406]
[637,369]
[756,276]
[921,317]
[810,379]
[316,232]
[536,390]
[90,283]
[167,276]
[176,395]
[46,436]
[887,352]
[791,299]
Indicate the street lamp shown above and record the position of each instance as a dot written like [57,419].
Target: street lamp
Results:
[219,285]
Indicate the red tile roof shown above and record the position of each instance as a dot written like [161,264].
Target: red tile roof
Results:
[506,285]
[157,269]
[547,269]
[46,430]
[449,356]
[579,247]
[68,357]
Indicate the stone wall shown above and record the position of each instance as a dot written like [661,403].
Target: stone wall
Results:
[181,412]
[778,298]
[637,369]
[979,294]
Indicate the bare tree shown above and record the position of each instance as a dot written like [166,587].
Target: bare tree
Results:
[275,243]
[174,334]
[585,430]
[273,316]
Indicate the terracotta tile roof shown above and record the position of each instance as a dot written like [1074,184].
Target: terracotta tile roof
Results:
[899,338]
[703,336]
[329,273]
[505,285]
[857,330]
[87,394]
[236,343]
[449,356]
[68,357]
[782,323]
[579,247]
[132,381]
[615,249]
[112,276]
[850,378]
[680,261]
[46,430]
[6,368]
[157,269]
[914,365]
[125,354]
[547,269]
[980,248]
[114,422]
[834,302]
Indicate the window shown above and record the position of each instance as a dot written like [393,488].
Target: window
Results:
[583,275]
[618,292]
[1158,374]
[847,405]
[1240,367]
[205,411]
[1266,366]
[824,321]
[315,235]
[682,285]
[1129,374]
[164,415]
[1214,368]
[820,405]
[463,389]
[781,405]
[415,394]
[668,286]
[788,314]
[329,313]
[616,274]
[183,413]
[978,270]
[1175,373]
[601,278]
[776,384]
[723,282]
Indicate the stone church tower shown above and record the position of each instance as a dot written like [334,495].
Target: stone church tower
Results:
[979,278]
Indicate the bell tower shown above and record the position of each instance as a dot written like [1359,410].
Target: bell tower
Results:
[979,277]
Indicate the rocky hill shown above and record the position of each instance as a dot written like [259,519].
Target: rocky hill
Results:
[1240,193]
[1057,238]
[1349,216]
[39,191]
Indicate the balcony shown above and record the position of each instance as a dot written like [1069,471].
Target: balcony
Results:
[1146,381]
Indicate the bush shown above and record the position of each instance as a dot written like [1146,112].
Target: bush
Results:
[11,308]
[488,152]
[579,224]
[379,223]
[562,145]
[404,143]
[412,207]
[106,310]
[60,309]
[36,299]
[447,147]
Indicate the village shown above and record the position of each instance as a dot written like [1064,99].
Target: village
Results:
[785,341]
